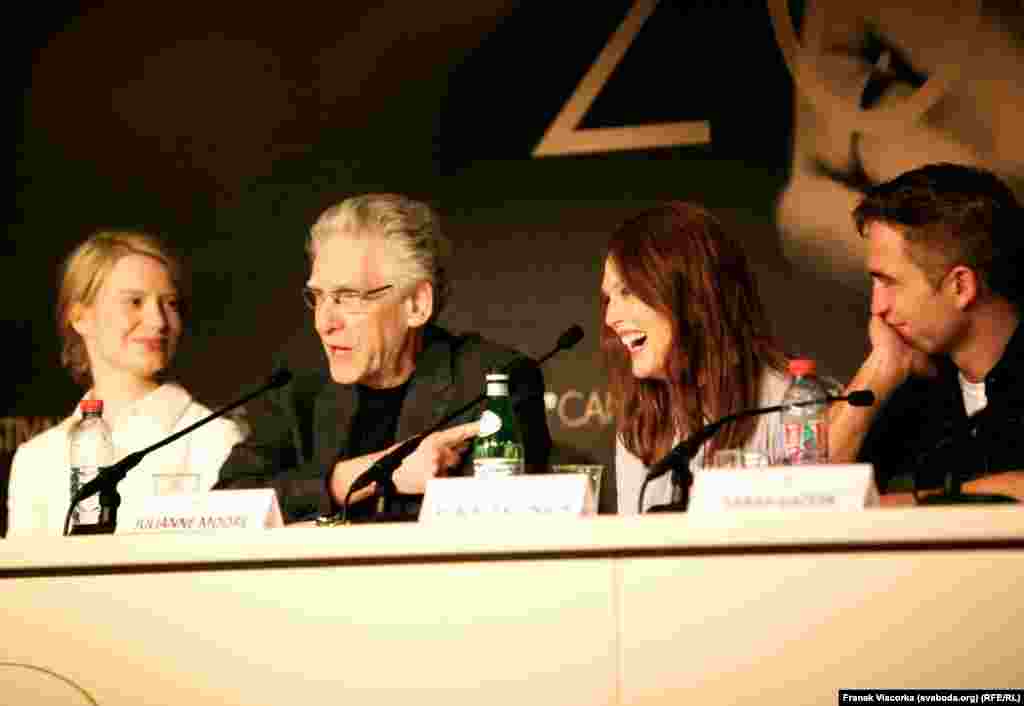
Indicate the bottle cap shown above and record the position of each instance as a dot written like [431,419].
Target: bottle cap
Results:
[497,377]
[92,406]
[799,367]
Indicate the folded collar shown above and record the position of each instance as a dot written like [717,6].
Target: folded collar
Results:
[163,407]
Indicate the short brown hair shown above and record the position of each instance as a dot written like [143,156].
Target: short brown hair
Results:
[952,214]
[82,276]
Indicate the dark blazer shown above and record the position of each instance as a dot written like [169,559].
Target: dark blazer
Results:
[923,430]
[302,429]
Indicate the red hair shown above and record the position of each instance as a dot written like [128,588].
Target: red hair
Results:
[678,259]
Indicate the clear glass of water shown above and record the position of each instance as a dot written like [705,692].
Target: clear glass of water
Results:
[594,471]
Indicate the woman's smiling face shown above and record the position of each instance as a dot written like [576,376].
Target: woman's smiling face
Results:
[645,333]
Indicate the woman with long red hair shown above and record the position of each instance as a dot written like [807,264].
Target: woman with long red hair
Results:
[685,341]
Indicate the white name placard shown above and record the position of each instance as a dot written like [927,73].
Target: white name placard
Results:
[215,511]
[818,487]
[542,494]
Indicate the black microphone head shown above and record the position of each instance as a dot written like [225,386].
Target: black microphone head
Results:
[279,377]
[861,398]
[571,337]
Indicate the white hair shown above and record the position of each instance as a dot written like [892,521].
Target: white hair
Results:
[409,228]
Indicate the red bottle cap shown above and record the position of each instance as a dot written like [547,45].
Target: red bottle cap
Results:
[800,367]
[92,406]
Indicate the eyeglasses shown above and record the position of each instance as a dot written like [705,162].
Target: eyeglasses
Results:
[350,301]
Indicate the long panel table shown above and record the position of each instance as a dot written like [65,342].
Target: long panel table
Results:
[758,607]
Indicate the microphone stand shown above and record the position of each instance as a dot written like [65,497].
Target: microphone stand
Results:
[105,482]
[678,459]
[953,494]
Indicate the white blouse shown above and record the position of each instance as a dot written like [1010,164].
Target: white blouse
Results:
[40,487]
[630,470]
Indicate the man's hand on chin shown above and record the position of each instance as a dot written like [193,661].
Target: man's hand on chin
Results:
[899,360]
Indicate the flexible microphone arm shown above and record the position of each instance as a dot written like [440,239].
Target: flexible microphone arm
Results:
[686,450]
[108,477]
[678,459]
[386,465]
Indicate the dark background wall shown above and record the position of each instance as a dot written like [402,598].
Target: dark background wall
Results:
[228,127]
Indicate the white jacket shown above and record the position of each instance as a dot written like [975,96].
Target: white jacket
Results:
[40,487]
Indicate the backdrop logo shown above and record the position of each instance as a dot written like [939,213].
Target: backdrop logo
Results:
[577,409]
[880,89]
[565,136]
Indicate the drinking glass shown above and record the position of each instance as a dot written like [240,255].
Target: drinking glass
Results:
[594,471]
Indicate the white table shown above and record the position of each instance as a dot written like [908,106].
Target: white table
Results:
[749,607]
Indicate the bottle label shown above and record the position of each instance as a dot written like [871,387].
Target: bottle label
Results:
[87,512]
[490,423]
[806,442]
[497,389]
[497,467]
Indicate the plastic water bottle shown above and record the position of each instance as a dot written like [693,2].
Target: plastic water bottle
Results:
[804,428]
[91,448]
[498,449]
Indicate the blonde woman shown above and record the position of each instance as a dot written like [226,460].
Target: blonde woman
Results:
[119,315]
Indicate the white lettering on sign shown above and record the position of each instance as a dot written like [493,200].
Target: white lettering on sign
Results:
[575,409]
[542,494]
[820,487]
[203,512]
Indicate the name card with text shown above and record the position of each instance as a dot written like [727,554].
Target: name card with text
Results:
[216,511]
[818,487]
[542,494]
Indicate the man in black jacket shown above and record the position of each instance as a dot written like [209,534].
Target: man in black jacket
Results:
[378,282]
[947,360]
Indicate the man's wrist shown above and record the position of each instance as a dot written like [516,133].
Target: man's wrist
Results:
[885,374]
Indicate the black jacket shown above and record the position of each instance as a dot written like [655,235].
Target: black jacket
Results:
[923,430]
[303,428]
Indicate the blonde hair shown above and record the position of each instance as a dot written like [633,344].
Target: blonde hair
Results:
[83,274]
[411,230]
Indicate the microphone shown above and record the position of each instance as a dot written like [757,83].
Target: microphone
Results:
[382,469]
[108,477]
[678,459]
[572,336]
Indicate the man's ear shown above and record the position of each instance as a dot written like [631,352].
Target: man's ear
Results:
[420,304]
[965,284]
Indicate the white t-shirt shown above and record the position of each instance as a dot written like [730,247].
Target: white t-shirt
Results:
[975,398]
[630,470]
[40,486]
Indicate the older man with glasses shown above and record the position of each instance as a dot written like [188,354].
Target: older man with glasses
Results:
[377,285]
